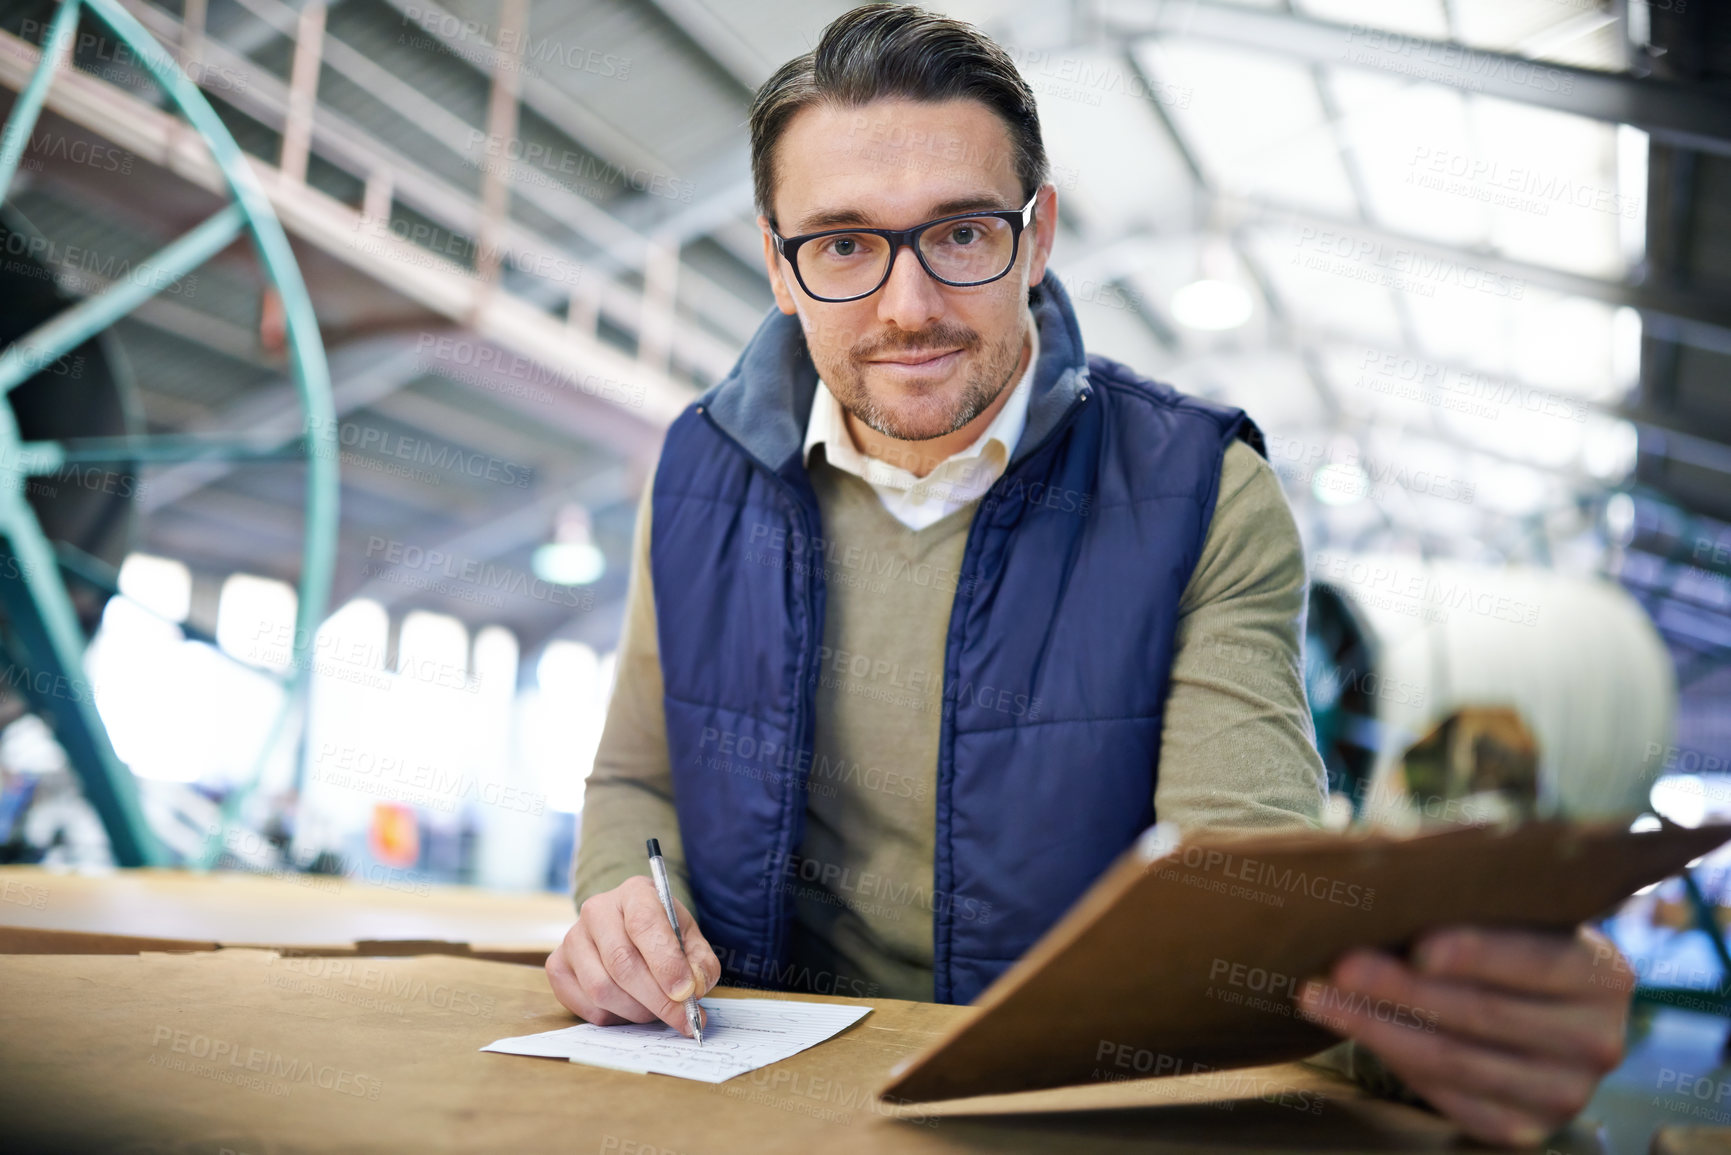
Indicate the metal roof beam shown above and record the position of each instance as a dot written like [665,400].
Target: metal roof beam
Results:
[1695,317]
[360,374]
[335,138]
[546,99]
[419,275]
[716,40]
[512,524]
[1679,114]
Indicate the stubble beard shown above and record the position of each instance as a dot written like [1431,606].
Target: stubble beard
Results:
[987,377]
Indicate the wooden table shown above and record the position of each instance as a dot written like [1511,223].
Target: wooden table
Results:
[132,910]
[253,1052]
[326,1044]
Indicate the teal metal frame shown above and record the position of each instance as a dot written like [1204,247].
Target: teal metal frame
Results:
[42,631]
[1716,1001]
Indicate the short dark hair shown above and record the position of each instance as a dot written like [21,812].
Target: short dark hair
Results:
[892,51]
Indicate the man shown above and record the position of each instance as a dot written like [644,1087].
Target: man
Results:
[932,614]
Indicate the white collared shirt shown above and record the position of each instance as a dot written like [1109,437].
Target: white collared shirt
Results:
[962,477]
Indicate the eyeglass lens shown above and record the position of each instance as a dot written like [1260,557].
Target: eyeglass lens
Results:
[964,251]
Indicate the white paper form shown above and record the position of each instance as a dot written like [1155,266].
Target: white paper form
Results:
[742,1035]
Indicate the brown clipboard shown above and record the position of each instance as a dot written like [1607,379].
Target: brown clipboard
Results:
[1182,955]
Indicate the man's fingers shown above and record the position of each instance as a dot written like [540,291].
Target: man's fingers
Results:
[645,921]
[1490,1121]
[621,962]
[1548,1090]
[595,976]
[1585,1034]
[1533,962]
[1611,969]
[699,952]
[563,979]
[628,971]
[1506,1032]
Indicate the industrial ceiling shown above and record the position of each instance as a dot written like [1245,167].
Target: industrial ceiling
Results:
[1483,246]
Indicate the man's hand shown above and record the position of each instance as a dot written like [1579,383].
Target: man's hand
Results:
[620,963]
[1505,1032]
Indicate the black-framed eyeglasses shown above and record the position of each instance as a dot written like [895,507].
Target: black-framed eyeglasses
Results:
[963,250]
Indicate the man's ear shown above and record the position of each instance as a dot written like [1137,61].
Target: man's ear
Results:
[772,266]
[1045,232]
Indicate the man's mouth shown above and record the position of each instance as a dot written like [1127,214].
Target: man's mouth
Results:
[918,361]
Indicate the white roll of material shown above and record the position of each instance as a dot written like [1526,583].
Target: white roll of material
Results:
[1577,657]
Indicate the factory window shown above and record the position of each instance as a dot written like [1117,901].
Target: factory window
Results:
[190,713]
[560,720]
[426,738]
[433,648]
[496,662]
[255,620]
[159,584]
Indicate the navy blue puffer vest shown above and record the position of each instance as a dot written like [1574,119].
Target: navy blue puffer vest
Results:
[1068,593]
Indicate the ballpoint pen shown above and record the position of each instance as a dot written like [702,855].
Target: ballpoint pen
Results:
[658,871]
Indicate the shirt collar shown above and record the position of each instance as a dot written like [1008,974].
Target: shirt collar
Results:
[828,427]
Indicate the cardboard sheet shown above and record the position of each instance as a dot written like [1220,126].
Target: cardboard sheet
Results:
[1188,954]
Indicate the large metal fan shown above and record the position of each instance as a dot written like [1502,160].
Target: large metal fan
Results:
[53,421]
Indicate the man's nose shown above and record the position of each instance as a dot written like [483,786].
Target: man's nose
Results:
[910,299]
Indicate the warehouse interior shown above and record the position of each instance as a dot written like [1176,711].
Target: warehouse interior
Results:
[1467,264]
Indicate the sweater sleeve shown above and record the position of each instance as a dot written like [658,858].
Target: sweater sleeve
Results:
[1238,749]
[629,795]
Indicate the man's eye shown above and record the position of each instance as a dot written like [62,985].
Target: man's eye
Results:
[842,247]
[964,234]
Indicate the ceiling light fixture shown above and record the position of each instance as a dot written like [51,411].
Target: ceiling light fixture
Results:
[1340,483]
[572,558]
[1211,305]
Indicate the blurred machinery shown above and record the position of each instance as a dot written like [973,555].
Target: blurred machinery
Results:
[83,393]
[1448,693]
[1397,645]
[1478,753]
[70,409]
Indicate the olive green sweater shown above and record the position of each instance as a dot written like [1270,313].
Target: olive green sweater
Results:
[1236,751]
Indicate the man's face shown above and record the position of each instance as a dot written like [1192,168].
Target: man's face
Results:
[917,359]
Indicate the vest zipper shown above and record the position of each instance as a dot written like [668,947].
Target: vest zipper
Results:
[802,717]
[778,928]
[943,982]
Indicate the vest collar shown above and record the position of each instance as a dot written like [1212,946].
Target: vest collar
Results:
[765,402]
